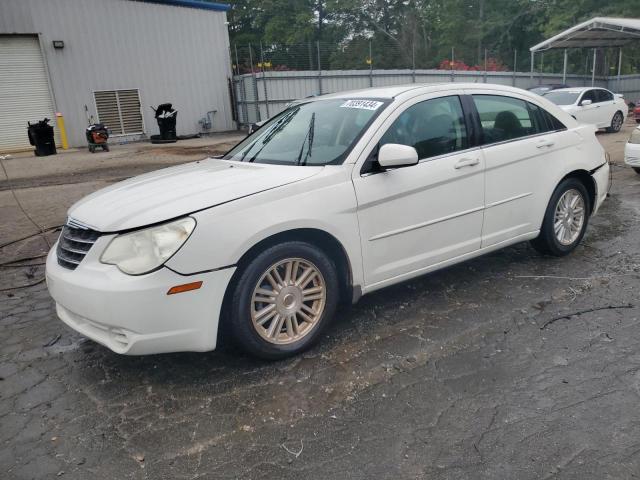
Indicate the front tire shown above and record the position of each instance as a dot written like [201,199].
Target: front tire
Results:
[283,300]
[565,220]
[637,170]
[616,123]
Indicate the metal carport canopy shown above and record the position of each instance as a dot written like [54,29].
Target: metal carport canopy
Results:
[594,33]
[599,32]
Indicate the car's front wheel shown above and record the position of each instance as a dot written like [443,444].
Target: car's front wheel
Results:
[637,170]
[283,300]
[616,123]
[565,220]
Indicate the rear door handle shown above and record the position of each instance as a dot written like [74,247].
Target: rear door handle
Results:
[467,162]
[545,143]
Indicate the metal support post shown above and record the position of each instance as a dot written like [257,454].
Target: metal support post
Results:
[319,69]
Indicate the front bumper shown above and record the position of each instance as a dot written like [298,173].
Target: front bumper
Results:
[133,315]
[632,154]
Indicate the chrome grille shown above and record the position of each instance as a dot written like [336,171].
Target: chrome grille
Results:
[74,243]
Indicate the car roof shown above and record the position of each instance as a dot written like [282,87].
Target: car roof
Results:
[379,92]
[577,89]
[418,89]
[546,85]
[406,92]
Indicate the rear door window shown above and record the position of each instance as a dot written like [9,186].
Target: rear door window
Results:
[505,118]
[604,96]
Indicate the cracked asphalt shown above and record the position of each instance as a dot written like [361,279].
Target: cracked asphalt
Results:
[510,366]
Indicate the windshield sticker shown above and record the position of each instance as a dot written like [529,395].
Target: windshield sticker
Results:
[363,104]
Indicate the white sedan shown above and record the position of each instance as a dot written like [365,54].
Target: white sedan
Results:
[632,150]
[595,106]
[335,197]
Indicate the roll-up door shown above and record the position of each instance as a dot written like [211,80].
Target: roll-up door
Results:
[24,90]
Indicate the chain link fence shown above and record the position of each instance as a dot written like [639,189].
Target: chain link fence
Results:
[362,53]
[268,77]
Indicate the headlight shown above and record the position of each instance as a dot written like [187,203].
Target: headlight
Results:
[145,250]
[635,136]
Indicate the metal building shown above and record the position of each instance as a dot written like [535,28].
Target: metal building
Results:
[110,60]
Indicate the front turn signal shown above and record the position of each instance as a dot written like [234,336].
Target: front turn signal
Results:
[187,287]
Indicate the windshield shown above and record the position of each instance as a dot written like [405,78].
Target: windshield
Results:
[315,133]
[562,98]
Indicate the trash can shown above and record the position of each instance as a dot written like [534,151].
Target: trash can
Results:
[41,137]
[166,117]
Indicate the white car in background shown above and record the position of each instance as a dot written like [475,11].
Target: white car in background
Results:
[632,150]
[335,197]
[595,106]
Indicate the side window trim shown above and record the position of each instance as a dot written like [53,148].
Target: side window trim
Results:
[472,120]
[538,121]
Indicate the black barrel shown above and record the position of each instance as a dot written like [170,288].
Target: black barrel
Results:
[41,137]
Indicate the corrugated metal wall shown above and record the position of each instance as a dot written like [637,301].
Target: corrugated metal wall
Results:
[171,54]
[268,93]
[629,85]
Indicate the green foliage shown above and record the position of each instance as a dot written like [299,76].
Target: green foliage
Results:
[406,33]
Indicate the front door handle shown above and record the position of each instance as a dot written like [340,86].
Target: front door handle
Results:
[467,162]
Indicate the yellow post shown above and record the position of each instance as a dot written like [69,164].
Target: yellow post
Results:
[63,132]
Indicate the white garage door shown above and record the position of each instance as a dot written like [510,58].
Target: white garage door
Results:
[24,90]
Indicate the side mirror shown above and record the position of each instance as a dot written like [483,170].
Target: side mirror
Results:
[394,155]
[584,103]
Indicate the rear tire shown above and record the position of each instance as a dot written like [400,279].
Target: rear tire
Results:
[637,170]
[283,300]
[616,123]
[565,220]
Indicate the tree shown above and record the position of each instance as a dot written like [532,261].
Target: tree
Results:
[403,33]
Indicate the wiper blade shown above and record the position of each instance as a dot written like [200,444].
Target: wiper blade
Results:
[278,127]
[309,136]
[270,133]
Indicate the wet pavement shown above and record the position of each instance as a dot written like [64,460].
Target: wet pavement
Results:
[513,365]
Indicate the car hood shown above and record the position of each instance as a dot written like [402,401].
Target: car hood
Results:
[175,191]
[567,108]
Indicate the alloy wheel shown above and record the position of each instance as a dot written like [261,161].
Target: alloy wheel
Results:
[569,217]
[288,301]
[616,123]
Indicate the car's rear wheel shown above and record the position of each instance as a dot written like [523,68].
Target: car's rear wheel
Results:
[283,300]
[616,123]
[565,220]
[637,170]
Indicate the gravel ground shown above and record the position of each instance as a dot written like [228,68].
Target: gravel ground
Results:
[510,366]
